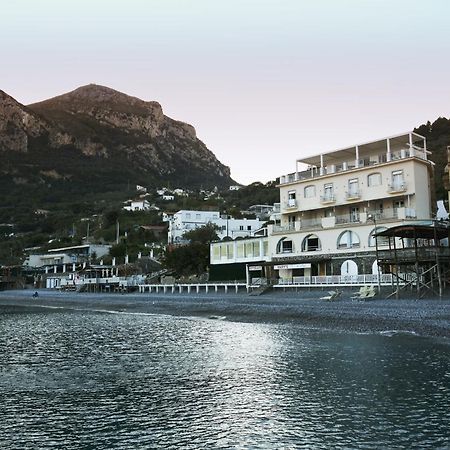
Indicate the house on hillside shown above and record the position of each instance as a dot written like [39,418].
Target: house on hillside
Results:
[139,205]
[331,210]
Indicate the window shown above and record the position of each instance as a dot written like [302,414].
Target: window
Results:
[198,216]
[241,227]
[311,243]
[353,186]
[285,246]
[381,240]
[292,198]
[354,214]
[188,215]
[374,179]
[397,179]
[310,191]
[249,228]
[328,191]
[348,239]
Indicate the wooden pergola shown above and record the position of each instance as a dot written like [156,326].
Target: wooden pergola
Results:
[418,257]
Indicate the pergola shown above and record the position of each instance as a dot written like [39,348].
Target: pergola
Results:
[418,255]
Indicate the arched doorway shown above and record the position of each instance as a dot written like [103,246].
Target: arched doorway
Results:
[349,268]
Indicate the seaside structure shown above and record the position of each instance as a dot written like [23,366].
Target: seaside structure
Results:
[332,206]
[418,256]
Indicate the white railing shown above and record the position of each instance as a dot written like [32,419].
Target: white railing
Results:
[349,165]
[397,187]
[329,198]
[352,195]
[310,223]
[284,228]
[342,280]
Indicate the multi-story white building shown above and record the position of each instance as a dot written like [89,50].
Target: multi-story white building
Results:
[331,210]
[186,220]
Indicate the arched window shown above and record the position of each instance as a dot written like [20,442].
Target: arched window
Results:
[310,191]
[374,179]
[311,243]
[348,239]
[382,240]
[349,267]
[285,246]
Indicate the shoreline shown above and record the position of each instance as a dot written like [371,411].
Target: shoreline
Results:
[425,317]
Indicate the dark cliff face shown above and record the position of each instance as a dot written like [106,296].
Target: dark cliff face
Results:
[97,138]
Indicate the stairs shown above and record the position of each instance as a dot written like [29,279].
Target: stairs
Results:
[260,290]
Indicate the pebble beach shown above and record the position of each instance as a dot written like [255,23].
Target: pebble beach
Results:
[424,317]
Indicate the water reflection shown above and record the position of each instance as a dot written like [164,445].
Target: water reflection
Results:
[91,380]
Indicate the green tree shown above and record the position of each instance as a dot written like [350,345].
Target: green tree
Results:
[202,235]
[192,258]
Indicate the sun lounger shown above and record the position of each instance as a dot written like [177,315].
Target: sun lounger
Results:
[333,295]
[365,292]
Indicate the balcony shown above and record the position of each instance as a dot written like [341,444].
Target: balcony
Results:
[395,188]
[310,224]
[347,218]
[345,166]
[282,229]
[353,195]
[327,199]
[290,204]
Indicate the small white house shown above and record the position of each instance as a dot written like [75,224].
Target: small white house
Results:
[137,205]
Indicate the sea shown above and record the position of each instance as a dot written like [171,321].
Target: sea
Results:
[89,379]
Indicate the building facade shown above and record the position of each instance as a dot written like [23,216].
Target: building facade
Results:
[186,220]
[331,210]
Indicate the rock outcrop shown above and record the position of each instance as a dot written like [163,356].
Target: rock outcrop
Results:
[104,133]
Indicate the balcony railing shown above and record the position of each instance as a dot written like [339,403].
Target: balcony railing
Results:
[330,198]
[350,165]
[284,228]
[397,187]
[353,195]
[291,203]
[310,223]
[347,218]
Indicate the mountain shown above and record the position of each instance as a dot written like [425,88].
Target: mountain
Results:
[438,138]
[96,139]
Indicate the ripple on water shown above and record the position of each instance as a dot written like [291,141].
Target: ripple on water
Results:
[78,380]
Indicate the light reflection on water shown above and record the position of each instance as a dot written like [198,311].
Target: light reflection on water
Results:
[79,380]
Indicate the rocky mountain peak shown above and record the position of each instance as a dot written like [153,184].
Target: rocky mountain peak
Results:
[17,124]
[95,93]
[121,133]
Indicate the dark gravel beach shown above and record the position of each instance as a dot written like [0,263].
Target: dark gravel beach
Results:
[425,317]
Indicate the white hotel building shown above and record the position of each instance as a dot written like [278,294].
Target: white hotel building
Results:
[331,210]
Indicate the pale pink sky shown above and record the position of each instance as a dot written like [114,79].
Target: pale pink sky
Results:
[264,82]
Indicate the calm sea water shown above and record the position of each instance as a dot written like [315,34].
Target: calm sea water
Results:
[90,380]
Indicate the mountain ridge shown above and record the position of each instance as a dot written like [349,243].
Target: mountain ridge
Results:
[98,138]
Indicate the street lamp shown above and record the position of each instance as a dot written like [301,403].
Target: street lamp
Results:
[373,217]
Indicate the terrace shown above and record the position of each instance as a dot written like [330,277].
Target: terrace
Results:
[394,148]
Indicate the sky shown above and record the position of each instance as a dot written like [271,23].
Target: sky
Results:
[264,82]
